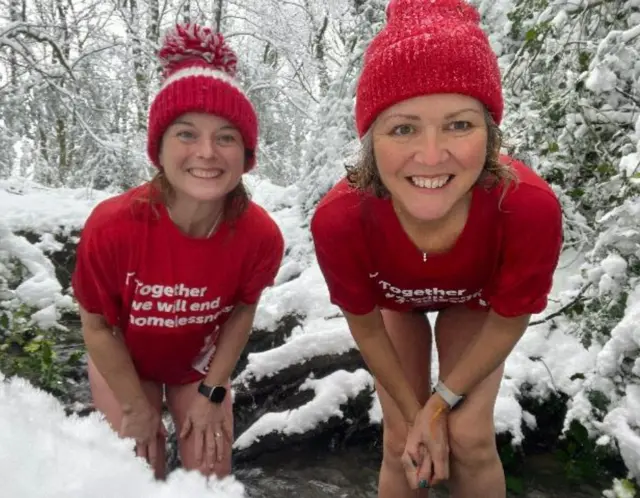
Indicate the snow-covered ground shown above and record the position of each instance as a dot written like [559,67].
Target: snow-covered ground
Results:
[45,453]
[39,446]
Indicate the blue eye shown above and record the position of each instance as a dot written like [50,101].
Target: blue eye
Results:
[186,135]
[402,130]
[459,126]
[226,139]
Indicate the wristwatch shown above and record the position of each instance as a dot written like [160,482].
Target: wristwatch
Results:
[447,395]
[215,394]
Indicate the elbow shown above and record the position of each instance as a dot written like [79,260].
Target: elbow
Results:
[95,328]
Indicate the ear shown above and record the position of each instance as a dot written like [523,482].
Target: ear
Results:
[249,157]
[160,153]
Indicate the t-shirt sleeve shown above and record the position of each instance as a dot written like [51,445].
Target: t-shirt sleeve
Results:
[94,279]
[531,245]
[264,269]
[340,256]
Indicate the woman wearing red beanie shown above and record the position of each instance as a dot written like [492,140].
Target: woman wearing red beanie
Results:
[169,274]
[433,219]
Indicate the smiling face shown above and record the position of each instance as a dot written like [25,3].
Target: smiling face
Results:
[203,157]
[430,151]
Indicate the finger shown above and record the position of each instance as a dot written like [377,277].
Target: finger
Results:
[221,441]
[211,443]
[198,445]
[152,449]
[440,461]
[410,470]
[227,430]
[141,450]
[424,474]
[186,428]
[413,459]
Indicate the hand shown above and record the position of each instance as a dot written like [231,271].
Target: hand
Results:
[206,422]
[426,453]
[144,424]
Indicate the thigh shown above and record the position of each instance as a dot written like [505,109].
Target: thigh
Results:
[105,401]
[179,399]
[410,335]
[456,328]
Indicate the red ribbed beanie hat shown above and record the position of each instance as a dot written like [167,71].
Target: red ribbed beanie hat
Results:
[199,76]
[427,47]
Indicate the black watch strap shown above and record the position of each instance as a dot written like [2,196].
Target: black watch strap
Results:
[215,394]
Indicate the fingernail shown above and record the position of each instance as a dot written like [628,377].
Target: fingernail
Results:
[423,484]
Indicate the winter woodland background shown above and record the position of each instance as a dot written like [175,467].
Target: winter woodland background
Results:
[76,79]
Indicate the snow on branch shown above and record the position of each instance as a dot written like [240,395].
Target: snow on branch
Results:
[24,29]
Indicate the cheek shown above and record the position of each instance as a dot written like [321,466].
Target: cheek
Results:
[389,158]
[472,153]
[169,156]
[235,158]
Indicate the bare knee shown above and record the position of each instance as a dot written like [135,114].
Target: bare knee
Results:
[472,445]
[393,440]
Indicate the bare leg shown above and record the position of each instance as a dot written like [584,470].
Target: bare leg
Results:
[476,469]
[410,334]
[106,402]
[179,398]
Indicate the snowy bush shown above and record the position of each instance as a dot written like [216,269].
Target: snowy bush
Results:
[31,301]
[571,77]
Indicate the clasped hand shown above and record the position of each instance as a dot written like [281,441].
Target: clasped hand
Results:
[426,454]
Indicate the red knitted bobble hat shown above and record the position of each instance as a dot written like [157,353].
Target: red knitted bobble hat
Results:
[427,47]
[199,70]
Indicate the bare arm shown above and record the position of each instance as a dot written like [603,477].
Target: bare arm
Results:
[379,354]
[108,352]
[490,348]
[232,340]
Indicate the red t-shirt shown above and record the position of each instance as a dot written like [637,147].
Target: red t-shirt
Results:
[504,259]
[169,293]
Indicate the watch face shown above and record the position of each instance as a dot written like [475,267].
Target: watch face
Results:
[217,394]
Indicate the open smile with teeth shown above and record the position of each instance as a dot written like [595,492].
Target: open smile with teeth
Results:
[430,183]
[205,173]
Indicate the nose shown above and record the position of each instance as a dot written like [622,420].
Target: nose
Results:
[431,148]
[206,148]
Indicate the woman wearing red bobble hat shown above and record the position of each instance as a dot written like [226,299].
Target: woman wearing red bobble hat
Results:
[433,219]
[169,274]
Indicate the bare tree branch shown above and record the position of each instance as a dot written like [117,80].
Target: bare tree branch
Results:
[563,309]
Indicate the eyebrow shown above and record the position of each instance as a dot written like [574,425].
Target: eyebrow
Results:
[189,123]
[468,109]
[413,117]
[409,117]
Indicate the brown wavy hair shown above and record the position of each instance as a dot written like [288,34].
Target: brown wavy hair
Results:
[365,176]
[235,203]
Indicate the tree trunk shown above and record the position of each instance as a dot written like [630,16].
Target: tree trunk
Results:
[217,18]
[186,12]
[318,48]
[62,130]
[142,85]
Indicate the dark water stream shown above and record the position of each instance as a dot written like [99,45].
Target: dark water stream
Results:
[353,473]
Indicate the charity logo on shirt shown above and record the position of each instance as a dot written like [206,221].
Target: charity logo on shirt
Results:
[426,296]
[175,306]
[185,305]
